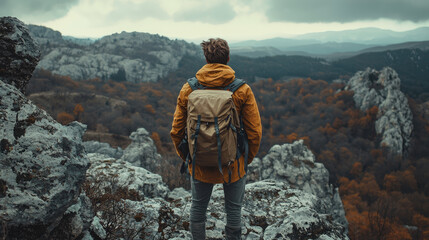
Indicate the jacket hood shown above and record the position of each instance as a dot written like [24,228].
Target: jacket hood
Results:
[215,75]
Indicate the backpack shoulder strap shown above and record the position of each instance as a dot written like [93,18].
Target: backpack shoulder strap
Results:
[236,84]
[195,85]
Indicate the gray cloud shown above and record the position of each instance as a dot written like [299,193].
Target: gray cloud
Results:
[36,10]
[137,11]
[207,12]
[346,10]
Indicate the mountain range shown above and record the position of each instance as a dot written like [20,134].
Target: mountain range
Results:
[142,57]
[329,44]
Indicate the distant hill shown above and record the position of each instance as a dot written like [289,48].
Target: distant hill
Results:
[373,36]
[134,57]
[332,44]
[140,57]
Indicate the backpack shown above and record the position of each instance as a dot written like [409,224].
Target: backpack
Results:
[215,131]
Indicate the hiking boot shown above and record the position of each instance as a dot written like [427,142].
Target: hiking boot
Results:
[198,230]
[233,233]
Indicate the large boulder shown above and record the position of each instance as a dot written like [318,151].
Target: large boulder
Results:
[394,119]
[127,200]
[142,151]
[19,53]
[42,165]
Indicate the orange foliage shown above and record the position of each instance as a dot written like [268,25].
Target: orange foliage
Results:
[156,139]
[149,108]
[65,118]
[291,137]
[337,123]
[356,170]
[422,223]
[78,109]
[328,129]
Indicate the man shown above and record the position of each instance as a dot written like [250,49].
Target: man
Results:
[217,74]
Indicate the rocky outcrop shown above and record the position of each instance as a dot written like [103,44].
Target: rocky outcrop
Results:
[394,118]
[117,173]
[42,163]
[296,165]
[295,201]
[125,196]
[103,148]
[142,151]
[19,53]
[134,57]
[42,166]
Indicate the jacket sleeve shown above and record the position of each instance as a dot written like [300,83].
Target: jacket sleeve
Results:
[179,121]
[252,123]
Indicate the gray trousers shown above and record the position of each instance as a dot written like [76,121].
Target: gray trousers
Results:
[201,193]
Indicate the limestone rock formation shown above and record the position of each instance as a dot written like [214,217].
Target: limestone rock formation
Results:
[42,163]
[19,53]
[134,57]
[295,164]
[142,151]
[103,148]
[117,173]
[296,205]
[394,118]
[133,198]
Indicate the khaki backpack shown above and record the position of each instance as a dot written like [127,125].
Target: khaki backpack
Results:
[214,129]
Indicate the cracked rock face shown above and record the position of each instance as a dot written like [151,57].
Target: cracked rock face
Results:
[42,165]
[394,119]
[19,53]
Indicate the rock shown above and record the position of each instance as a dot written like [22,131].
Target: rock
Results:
[114,174]
[42,163]
[103,148]
[132,198]
[271,210]
[19,53]
[394,119]
[134,57]
[142,151]
[76,220]
[42,166]
[295,164]
[97,229]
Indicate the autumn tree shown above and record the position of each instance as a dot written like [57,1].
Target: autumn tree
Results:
[78,110]
[65,118]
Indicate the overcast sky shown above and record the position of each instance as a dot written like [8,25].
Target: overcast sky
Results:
[233,20]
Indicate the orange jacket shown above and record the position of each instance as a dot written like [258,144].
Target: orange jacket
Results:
[220,75]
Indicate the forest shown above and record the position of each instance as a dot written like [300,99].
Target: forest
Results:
[385,196]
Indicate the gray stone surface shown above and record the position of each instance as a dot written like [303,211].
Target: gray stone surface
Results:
[296,165]
[142,151]
[117,173]
[103,148]
[19,53]
[139,57]
[394,119]
[294,202]
[42,165]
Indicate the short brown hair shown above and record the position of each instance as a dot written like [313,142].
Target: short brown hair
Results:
[216,50]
